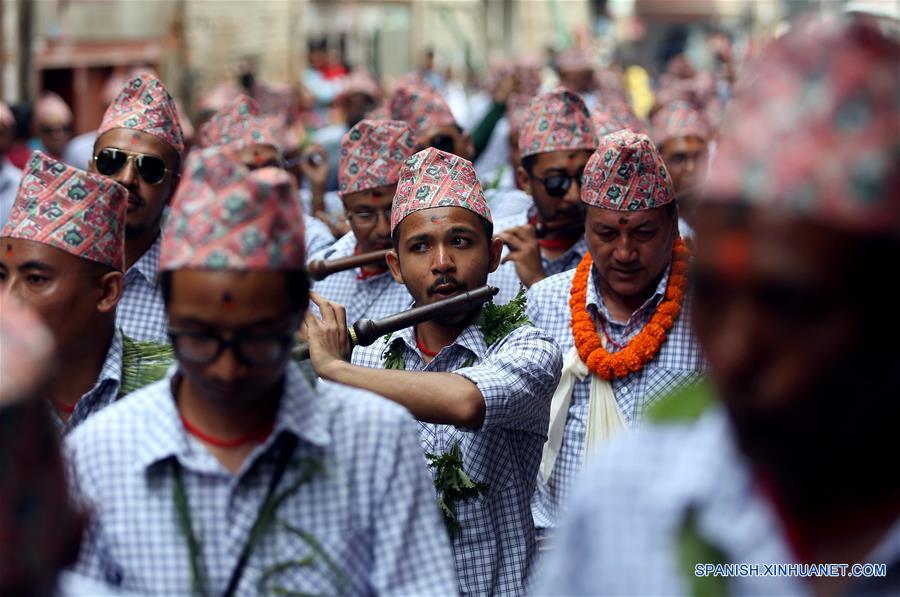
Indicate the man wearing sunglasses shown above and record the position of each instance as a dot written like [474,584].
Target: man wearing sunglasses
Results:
[140,145]
[619,316]
[372,153]
[430,120]
[61,253]
[258,142]
[555,141]
[234,475]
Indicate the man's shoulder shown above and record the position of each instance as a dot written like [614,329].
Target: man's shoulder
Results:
[552,288]
[342,247]
[361,416]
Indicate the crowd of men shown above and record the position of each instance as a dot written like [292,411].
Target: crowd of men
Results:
[687,359]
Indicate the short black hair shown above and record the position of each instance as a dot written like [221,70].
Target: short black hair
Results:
[486,225]
[296,282]
[528,163]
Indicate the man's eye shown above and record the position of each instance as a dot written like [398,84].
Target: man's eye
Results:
[644,235]
[418,247]
[461,242]
[607,236]
[35,279]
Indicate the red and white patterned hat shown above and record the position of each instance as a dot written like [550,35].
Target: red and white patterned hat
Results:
[435,178]
[69,209]
[371,155]
[626,173]
[421,109]
[144,104]
[676,120]
[239,125]
[557,121]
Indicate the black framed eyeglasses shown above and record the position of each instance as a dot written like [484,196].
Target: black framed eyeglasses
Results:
[557,185]
[368,219]
[442,142]
[203,348]
[151,168]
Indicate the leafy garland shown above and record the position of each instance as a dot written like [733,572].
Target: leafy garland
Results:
[453,484]
[451,481]
[143,363]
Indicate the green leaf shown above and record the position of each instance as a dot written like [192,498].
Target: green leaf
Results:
[683,405]
[452,483]
[499,321]
[143,363]
[393,357]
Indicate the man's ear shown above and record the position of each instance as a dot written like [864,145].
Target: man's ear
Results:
[496,250]
[393,263]
[109,291]
[469,146]
[524,180]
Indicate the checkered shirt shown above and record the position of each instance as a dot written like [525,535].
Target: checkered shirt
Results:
[496,542]
[104,392]
[318,236]
[620,535]
[141,313]
[371,509]
[678,362]
[507,203]
[371,298]
[506,278]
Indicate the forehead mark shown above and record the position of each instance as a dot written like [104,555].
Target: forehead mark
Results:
[623,222]
[438,219]
[9,250]
[228,300]
[134,138]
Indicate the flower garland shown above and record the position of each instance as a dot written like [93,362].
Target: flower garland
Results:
[644,347]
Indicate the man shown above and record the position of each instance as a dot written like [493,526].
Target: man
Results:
[576,71]
[371,155]
[478,381]
[682,136]
[277,486]
[140,145]
[505,196]
[801,350]
[61,254]
[258,142]
[613,114]
[9,174]
[555,143]
[430,120]
[52,124]
[617,316]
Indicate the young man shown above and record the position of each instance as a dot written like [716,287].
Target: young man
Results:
[140,145]
[555,142]
[371,155]
[478,381]
[258,142]
[802,353]
[618,316]
[430,120]
[9,174]
[61,253]
[233,475]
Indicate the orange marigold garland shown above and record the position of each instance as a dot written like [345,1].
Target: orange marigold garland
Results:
[644,347]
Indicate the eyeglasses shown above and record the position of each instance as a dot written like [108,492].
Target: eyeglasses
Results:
[151,168]
[203,348]
[558,185]
[49,130]
[442,142]
[368,219]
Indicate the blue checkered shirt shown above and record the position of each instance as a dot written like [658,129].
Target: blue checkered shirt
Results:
[371,298]
[141,312]
[621,533]
[318,236]
[372,509]
[495,544]
[679,362]
[104,392]
[506,278]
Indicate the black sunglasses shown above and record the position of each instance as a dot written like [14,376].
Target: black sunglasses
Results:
[151,168]
[558,185]
[203,348]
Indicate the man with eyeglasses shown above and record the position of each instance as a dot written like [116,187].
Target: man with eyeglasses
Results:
[620,316]
[555,141]
[372,153]
[258,142]
[479,380]
[52,123]
[234,475]
[140,145]
[61,253]
[430,120]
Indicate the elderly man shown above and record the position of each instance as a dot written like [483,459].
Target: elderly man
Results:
[802,350]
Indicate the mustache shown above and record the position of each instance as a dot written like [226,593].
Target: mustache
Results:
[446,281]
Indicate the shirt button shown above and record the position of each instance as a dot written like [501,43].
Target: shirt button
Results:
[624,389]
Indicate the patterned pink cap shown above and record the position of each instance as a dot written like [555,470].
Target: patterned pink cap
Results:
[612,114]
[6,116]
[557,121]
[435,178]
[69,209]
[359,81]
[626,173]
[676,120]
[145,105]
[371,155]
[812,130]
[238,125]
[574,59]
[218,96]
[52,107]
[26,349]
[422,110]
[226,217]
